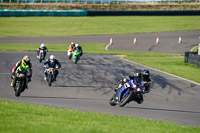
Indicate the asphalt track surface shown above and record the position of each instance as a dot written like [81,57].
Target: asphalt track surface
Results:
[89,85]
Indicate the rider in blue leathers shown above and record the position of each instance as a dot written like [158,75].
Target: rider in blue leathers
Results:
[52,62]
[144,76]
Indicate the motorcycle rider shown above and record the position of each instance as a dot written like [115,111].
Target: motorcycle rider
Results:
[71,48]
[144,75]
[42,47]
[79,48]
[21,65]
[52,62]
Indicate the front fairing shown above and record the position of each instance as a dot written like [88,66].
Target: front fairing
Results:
[76,52]
[131,84]
[127,85]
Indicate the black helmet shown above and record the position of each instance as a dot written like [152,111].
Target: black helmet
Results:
[145,74]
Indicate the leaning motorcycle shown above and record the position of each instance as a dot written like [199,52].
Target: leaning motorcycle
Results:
[50,71]
[130,91]
[76,56]
[21,78]
[41,55]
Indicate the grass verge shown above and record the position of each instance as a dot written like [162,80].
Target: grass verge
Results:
[65,26]
[171,63]
[195,49]
[20,117]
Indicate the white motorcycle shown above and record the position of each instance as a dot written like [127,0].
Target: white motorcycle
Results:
[70,53]
[41,55]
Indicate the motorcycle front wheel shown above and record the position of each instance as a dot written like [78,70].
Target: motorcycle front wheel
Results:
[125,98]
[49,79]
[111,101]
[18,88]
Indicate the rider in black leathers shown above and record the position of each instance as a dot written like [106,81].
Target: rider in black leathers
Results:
[52,62]
[79,48]
[144,75]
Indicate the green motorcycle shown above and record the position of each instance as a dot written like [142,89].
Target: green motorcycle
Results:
[76,56]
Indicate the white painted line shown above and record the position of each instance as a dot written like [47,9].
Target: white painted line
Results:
[192,49]
[106,48]
[161,71]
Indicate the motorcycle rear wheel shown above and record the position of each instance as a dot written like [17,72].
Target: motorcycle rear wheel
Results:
[140,100]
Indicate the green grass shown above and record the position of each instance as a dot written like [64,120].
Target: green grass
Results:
[195,49]
[65,26]
[88,48]
[171,63]
[24,118]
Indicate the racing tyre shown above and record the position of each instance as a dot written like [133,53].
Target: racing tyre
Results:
[49,80]
[18,88]
[139,100]
[125,99]
[111,101]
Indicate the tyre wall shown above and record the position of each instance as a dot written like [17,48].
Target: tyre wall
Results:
[192,58]
[143,13]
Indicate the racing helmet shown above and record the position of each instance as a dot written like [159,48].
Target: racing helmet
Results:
[42,45]
[26,60]
[76,45]
[72,43]
[52,58]
[145,74]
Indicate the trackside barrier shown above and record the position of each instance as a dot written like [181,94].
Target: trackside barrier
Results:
[23,13]
[145,13]
[192,58]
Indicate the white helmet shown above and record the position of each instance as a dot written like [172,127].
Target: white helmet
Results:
[76,45]
[42,45]
[52,58]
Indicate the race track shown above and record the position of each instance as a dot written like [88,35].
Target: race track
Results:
[89,85]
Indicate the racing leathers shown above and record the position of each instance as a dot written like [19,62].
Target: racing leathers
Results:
[20,65]
[79,48]
[146,82]
[70,49]
[54,64]
[44,49]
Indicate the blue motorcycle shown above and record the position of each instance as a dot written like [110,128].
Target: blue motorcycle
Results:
[130,91]
[50,74]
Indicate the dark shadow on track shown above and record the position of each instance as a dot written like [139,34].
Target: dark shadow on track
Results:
[157,109]
[42,97]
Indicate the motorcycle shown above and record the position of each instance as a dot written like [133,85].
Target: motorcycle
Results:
[41,55]
[50,74]
[130,91]
[76,56]
[21,78]
[70,53]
